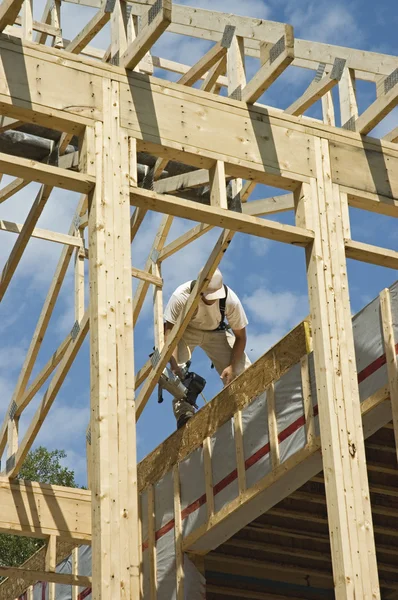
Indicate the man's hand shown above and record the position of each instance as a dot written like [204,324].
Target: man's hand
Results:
[227,375]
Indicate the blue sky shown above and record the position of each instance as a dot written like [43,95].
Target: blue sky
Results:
[269,277]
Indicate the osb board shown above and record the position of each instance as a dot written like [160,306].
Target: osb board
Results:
[270,367]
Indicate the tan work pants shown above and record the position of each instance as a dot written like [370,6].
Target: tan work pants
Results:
[218,347]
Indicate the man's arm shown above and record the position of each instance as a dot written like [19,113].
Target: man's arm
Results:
[173,359]
[238,350]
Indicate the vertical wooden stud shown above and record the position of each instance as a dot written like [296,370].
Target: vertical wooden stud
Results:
[307,401]
[75,571]
[391,357]
[56,22]
[240,453]
[119,20]
[29,594]
[27,20]
[236,73]
[158,309]
[345,215]
[272,427]
[328,109]
[153,578]
[79,280]
[12,437]
[208,477]
[178,534]
[218,190]
[348,100]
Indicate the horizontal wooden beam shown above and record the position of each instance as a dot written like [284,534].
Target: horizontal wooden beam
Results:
[39,510]
[219,217]
[145,276]
[12,188]
[392,136]
[9,10]
[31,170]
[372,202]
[318,88]
[280,57]
[96,23]
[43,234]
[60,578]
[374,255]
[213,56]
[157,19]
[269,206]
[182,182]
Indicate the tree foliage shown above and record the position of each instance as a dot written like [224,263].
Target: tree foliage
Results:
[43,466]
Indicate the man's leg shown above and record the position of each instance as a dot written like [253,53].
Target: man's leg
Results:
[183,411]
[218,347]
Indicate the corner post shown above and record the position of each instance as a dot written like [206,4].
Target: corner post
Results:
[113,436]
[318,207]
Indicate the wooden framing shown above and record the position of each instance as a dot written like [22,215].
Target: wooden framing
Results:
[118,111]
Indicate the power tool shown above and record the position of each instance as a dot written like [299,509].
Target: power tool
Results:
[186,388]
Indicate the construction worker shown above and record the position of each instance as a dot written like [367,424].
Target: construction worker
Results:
[208,330]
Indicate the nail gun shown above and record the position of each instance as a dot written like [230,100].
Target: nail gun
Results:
[187,388]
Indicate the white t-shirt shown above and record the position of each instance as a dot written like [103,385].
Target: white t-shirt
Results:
[206,317]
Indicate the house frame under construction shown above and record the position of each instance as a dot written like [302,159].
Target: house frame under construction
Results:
[121,137]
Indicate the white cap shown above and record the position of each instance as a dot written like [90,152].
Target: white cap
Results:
[215,289]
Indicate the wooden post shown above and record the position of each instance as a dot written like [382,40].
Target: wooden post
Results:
[272,427]
[236,73]
[343,451]
[75,571]
[348,100]
[178,534]
[113,437]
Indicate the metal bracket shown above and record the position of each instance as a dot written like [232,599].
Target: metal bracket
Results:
[155,358]
[88,436]
[390,81]
[13,410]
[350,125]
[228,36]
[109,6]
[338,68]
[320,71]
[75,330]
[10,463]
[155,255]
[236,94]
[277,49]
[154,10]
[76,221]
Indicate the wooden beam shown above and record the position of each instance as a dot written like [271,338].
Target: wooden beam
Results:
[218,186]
[157,19]
[145,276]
[176,67]
[347,93]
[59,578]
[392,136]
[377,111]
[212,78]
[12,188]
[213,56]
[373,255]
[280,57]
[183,240]
[269,206]
[23,238]
[184,181]
[14,464]
[219,217]
[317,89]
[9,10]
[31,170]
[6,123]
[42,510]
[247,189]
[96,23]
[43,234]
[373,202]
[183,320]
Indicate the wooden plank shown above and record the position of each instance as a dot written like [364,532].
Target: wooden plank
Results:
[40,27]
[94,26]
[12,188]
[371,254]
[317,89]
[23,238]
[218,189]
[50,562]
[269,206]
[31,170]
[347,94]
[156,22]
[218,217]
[239,451]
[75,571]
[272,427]
[6,123]
[272,68]
[9,10]
[213,56]
[377,111]
[181,182]
[176,67]
[212,78]
[145,276]
[392,136]
[247,189]
[183,320]
[391,357]
[47,401]
[328,109]
[178,535]
[213,415]
[27,20]
[183,240]
[208,477]
[153,579]
[60,578]
[42,234]
[79,278]
[372,202]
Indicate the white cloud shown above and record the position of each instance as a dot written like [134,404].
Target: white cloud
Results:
[276,308]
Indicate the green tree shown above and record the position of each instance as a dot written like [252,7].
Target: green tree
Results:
[43,466]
